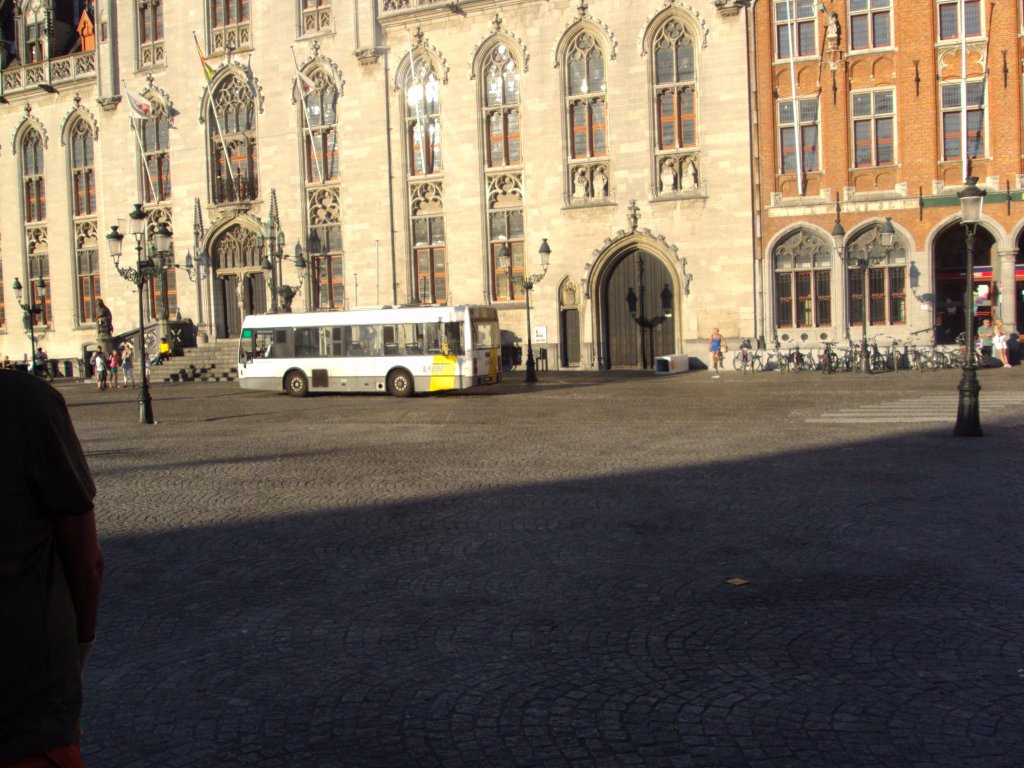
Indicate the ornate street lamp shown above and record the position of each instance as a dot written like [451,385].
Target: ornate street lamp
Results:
[968,416]
[143,271]
[272,263]
[635,303]
[505,262]
[31,310]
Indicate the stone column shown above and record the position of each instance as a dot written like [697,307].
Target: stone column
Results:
[1007,263]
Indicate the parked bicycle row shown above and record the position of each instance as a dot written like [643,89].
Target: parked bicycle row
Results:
[883,354]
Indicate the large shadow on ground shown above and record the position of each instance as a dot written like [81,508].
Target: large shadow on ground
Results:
[856,607]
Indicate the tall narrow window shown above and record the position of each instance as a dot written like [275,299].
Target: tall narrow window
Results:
[503,176]
[422,94]
[873,128]
[803,282]
[883,300]
[83,205]
[950,20]
[151,33]
[234,152]
[230,26]
[798,128]
[323,202]
[870,24]
[951,120]
[423,119]
[33,191]
[674,77]
[795,28]
[586,104]
[162,290]
[156,164]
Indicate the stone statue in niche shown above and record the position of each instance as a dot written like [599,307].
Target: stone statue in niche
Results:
[579,185]
[668,177]
[688,182]
[600,184]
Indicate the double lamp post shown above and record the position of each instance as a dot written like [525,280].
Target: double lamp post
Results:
[505,262]
[145,269]
[31,310]
[281,293]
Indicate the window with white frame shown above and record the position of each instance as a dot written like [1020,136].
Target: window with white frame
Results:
[954,114]
[803,282]
[950,19]
[870,24]
[798,127]
[873,126]
[795,28]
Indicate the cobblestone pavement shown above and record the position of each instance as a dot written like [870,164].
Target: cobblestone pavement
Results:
[598,570]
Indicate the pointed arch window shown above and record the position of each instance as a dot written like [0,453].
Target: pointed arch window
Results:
[231,131]
[500,96]
[83,205]
[33,198]
[156,157]
[803,282]
[674,104]
[423,119]
[421,90]
[319,105]
[586,117]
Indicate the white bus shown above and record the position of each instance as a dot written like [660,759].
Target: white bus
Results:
[398,350]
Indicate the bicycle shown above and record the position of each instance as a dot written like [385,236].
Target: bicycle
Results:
[746,358]
[829,359]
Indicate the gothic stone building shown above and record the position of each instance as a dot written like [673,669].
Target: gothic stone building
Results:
[405,146]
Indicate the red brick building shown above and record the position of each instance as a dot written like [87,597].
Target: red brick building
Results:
[868,103]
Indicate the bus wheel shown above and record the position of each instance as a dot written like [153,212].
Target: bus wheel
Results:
[400,383]
[295,384]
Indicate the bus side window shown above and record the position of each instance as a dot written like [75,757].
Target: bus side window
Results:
[337,342]
[325,342]
[263,344]
[390,339]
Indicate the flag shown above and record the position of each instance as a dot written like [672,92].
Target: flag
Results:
[140,106]
[207,69]
[303,85]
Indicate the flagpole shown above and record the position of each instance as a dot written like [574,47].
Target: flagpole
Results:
[305,115]
[216,117]
[142,150]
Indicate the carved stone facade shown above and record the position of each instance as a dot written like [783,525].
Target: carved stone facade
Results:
[520,121]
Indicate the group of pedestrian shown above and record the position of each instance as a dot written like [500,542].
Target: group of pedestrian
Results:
[116,369]
[993,341]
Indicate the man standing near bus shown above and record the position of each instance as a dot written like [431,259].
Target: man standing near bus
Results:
[51,566]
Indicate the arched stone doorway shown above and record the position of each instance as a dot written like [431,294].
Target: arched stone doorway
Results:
[240,288]
[635,333]
[950,261]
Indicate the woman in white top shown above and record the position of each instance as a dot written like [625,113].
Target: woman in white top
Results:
[999,343]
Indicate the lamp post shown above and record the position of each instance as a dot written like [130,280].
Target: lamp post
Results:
[31,310]
[272,262]
[647,323]
[505,262]
[862,260]
[968,416]
[143,271]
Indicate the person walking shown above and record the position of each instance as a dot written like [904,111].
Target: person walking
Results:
[127,364]
[999,343]
[716,347]
[50,579]
[99,365]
